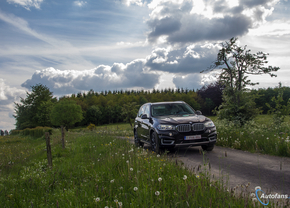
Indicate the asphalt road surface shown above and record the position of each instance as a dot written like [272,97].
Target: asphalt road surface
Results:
[236,168]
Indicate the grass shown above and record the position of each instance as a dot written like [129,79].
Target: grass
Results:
[260,136]
[98,170]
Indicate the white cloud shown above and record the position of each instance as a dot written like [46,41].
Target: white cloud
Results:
[80,3]
[103,77]
[275,28]
[8,95]
[27,3]
[191,21]
[191,59]
[195,80]
[133,2]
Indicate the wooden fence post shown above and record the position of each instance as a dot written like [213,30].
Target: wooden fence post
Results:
[62,137]
[48,149]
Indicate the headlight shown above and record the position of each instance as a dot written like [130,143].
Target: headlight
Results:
[165,127]
[209,124]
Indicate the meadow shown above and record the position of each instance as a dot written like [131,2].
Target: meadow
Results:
[101,168]
[261,135]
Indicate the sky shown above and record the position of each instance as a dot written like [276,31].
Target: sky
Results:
[74,46]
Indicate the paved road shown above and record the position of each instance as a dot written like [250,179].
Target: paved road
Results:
[238,167]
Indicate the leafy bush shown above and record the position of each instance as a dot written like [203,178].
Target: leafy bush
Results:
[33,132]
[91,127]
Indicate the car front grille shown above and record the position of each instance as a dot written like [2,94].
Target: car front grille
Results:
[198,127]
[189,127]
[183,128]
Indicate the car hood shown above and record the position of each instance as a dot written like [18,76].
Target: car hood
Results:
[182,119]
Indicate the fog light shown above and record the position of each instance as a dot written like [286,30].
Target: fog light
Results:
[170,134]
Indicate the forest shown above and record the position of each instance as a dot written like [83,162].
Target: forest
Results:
[107,107]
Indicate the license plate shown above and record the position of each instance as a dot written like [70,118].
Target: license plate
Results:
[192,137]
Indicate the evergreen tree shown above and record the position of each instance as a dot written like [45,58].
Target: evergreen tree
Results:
[28,113]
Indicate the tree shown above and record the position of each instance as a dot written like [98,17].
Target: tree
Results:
[27,114]
[2,132]
[129,111]
[65,114]
[212,95]
[238,63]
[93,115]
[280,111]
[43,113]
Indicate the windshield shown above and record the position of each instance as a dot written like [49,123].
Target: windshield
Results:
[171,109]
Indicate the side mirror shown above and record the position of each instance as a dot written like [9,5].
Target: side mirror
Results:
[144,116]
[198,112]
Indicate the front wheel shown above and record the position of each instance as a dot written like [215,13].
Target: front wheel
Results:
[155,144]
[207,147]
[137,141]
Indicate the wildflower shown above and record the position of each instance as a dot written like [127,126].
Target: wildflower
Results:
[97,199]
[127,161]
[120,204]
[131,169]
[112,181]
[197,176]
[184,177]
[252,195]
[157,193]
[121,188]
[159,179]
[158,155]
[135,189]
[254,199]
[116,200]
[257,187]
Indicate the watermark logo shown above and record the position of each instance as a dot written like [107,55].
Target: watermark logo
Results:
[265,198]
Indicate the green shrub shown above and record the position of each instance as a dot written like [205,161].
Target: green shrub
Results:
[91,127]
[33,132]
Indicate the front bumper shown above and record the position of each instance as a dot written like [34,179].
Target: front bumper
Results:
[174,138]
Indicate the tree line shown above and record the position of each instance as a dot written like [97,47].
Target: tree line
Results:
[120,106]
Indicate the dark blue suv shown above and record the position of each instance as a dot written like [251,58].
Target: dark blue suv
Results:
[172,124]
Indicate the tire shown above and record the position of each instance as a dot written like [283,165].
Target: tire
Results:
[137,141]
[155,143]
[207,147]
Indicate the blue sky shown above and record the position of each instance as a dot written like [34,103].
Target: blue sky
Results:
[74,46]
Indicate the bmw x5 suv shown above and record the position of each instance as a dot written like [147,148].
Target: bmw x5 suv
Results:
[173,124]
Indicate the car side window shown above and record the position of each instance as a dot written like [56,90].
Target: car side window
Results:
[147,110]
[141,111]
